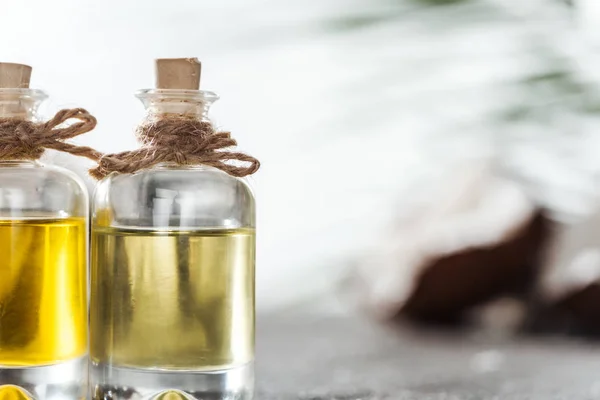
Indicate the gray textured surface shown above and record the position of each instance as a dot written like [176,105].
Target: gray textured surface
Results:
[303,357]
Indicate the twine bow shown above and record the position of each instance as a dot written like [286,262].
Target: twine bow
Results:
[180,140]
[26,140]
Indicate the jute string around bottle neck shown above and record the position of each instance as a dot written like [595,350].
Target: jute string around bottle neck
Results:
[21,139]
[180,139]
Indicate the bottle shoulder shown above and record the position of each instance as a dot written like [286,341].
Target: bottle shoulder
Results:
[184,178]
[13,173]
[41,189]
[192,197]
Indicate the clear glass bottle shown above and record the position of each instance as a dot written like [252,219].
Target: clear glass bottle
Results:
[43,272]
[172,300]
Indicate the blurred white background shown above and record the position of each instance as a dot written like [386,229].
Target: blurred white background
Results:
[351,105]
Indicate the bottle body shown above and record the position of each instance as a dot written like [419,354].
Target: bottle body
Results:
[43,285]
[172,304]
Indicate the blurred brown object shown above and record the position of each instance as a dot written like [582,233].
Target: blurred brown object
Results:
[581,310]
[473,238]
[454,283]
[478,249]
[568,290]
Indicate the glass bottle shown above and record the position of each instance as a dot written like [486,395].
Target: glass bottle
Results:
[172,303]
[43,272]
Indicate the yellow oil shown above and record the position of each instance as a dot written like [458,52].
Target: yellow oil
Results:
[11,392]
[43,291]
[172,299]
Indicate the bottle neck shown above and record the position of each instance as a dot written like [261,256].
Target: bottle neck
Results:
[184,103]
[19,164]
[20,103]
[185,109]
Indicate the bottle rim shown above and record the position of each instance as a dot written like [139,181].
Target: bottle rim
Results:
[23,93]
[177,94]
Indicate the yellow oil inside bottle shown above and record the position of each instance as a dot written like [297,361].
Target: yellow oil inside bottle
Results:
[43,291]
[11,392]
[172,299]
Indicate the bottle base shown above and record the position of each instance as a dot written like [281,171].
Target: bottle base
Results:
[116,383]
[63,381]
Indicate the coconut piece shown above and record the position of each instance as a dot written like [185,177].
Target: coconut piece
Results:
[478,238]
[569,287]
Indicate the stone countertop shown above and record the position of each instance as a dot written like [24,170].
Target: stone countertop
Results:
[344,358]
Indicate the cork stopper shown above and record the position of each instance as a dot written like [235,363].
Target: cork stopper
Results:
[14,75]
[178,73]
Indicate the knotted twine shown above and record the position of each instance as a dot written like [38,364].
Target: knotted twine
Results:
[27,140]
[174,138]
